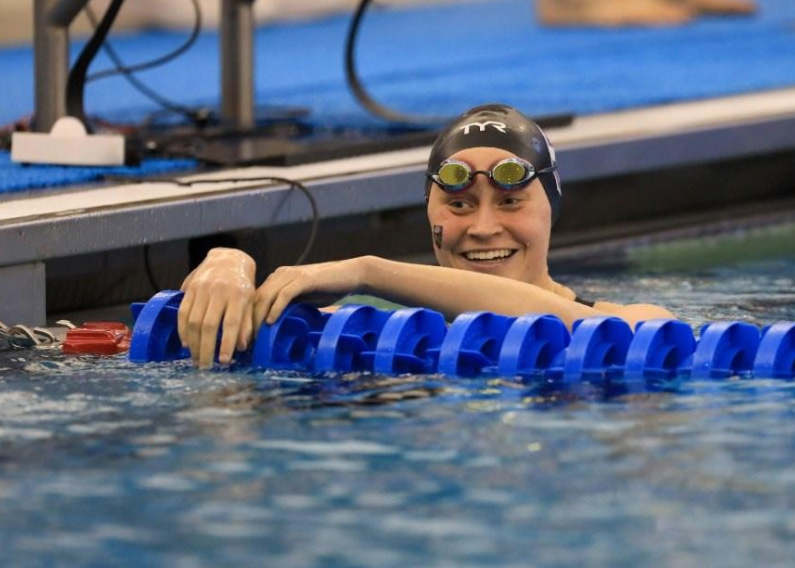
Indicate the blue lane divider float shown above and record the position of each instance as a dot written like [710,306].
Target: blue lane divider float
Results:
[533,348]
[348,341]
[603,351]
[725,349]
[410,342]
[660,349]
[776,356]
[155,336]
[472,345]
[290,344]
[598,350]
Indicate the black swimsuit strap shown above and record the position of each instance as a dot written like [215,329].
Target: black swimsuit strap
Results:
[584,302]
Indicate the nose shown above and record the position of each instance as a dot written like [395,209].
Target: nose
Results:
[485,222]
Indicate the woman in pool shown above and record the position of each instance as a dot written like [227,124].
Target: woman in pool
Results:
[493,194]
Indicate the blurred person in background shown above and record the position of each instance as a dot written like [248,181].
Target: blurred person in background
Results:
[613,13]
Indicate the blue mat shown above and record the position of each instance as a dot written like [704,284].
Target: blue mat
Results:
[14,177]
[438,60]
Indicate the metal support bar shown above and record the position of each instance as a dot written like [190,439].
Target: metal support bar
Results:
[51,64]
[64,11]
[22,294]
[51,20]
[237,63]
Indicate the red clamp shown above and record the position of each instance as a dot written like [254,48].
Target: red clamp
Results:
[97,338]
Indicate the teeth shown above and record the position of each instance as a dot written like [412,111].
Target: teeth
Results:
[488,254]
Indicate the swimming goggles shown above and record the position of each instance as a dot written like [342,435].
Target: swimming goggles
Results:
[509,174]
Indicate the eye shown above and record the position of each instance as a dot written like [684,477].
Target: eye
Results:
[458,204]
[510,201]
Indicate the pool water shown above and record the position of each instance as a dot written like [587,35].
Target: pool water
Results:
[107,463]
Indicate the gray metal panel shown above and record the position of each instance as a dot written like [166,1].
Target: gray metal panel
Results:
[723,142]
[115,228]
[22,293]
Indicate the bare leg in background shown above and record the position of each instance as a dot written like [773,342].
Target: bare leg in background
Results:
[616,13]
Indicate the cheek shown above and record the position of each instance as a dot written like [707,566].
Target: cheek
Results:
[537,240]
[535,234]
[536,229]
[444,229]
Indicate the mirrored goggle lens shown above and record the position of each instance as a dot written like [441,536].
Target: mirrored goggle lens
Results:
[454,175]
[510,173]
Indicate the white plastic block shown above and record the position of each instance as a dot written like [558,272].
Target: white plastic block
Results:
[68,143]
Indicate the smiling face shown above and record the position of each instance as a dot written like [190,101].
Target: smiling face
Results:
[489,230]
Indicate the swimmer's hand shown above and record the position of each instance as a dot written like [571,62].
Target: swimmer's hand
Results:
[220,289]
[321,284]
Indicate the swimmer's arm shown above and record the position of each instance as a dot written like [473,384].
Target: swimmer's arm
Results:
[447,290]
[633,313]
[453,292]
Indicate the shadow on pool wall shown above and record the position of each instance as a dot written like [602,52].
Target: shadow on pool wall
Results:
[601,221]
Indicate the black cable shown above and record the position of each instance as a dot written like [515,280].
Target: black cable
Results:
[192,115]
[75,84]
[292,183]
[162,60]
[361,94]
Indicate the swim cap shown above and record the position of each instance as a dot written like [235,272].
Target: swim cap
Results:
[499,126]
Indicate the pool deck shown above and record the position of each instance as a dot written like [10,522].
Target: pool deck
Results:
[63,223]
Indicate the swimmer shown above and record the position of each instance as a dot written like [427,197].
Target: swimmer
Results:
[492,192]
[615,13]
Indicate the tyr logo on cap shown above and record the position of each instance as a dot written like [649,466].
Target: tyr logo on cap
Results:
[482,126]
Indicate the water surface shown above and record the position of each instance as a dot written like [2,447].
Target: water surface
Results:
[107,463]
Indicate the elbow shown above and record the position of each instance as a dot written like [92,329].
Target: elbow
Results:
[638,313]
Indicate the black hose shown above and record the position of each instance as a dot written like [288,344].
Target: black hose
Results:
[361,94]
[75,84]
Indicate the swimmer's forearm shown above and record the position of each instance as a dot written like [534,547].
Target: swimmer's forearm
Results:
[452,292]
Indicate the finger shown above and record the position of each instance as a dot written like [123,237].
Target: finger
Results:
[245,335]
[187,281]
[232,321]
[209,332]
[268,292]
[262,305]
[282,300]
[183,314]
[194,327]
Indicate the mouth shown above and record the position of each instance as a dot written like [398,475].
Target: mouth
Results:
[495,255]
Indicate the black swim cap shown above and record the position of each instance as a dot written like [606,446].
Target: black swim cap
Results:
[499,126]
